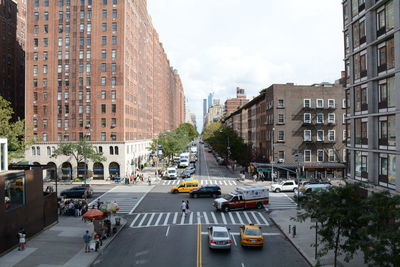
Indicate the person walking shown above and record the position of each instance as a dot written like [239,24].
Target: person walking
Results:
[86,239]
[21,239]
[183,207]
[187,206]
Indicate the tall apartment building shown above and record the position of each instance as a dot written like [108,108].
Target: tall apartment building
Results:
[372,61]
[97,70]
[232,104]
[12,55]
[286,119]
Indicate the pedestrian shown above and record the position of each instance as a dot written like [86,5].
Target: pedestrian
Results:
[187,206]
[98,203]
[183,207]
[86,239]
[21,239]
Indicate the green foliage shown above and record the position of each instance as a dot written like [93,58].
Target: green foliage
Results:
[13,131]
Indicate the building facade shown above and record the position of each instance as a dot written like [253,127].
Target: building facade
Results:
[372,64]
[12,55]
[232,104]
[215,113]
[96,70]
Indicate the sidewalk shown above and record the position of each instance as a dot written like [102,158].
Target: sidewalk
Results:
[60,245]
[305,237]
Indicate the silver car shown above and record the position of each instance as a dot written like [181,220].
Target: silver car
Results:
[219,237]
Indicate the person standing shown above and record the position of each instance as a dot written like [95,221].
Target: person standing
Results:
[183,207]
[187,206]
[86,239]
[21,239]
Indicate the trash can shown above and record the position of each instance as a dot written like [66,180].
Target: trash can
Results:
[126,181]
[117,221]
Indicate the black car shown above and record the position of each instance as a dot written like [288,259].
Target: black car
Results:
[206,191]
[186,174]
[76,192]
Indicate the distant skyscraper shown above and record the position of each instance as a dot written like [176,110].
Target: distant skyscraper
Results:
[204,107]
[210,99]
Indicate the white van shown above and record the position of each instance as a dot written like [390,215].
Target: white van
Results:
[172,173]
[311,188]
[184,163]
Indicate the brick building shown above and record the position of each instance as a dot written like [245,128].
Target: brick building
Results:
[232,104]
[97,70]
[12,55]
[372,61]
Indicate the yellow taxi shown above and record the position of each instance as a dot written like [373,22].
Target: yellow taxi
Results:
[185,186]
[251,235]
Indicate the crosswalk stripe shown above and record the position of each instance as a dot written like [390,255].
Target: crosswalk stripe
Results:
[223,218]
[134,220]
[198,218]
[175,216]
[214,218]
[143,218]
[247,217]
[183,218]
[191,218]
[206,217]
[225,183]
[255,217]
[263,219]
[151,218]
[232,220]
[166,218]
[159,218]
[239,217]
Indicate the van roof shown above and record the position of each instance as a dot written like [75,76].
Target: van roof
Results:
[317,185]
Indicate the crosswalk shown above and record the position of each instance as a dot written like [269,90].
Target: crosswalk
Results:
[127,197]
[280,201]
[197,217]
[202,182]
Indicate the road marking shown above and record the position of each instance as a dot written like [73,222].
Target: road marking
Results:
[214,218]
[94,201]
[199,247]
[166,218]
[242,264]
[159,218]
[223,218]
[166,234]
[255,217]
[232,220]
[198,218]
[247,217]
[262,218]
[143,218]
[183,218]
[175,216]
[140,200]
[238,234]
[206,217]
[151,218]
[191,218]
[225,183]
[134,220]
[239,217]
[234,240]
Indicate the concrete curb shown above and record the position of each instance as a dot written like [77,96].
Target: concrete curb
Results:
[290,240]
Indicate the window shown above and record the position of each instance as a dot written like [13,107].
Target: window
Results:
[281,103]
[387,170]
[111,150]
[104,27]
[307,135]
[114,40]
[88,41]
[88,54]
[113,54]
[387,132]
[307,103]
[87,68]
[36,16]
[385,18]
[45,15]
[331,103]
[386,55]
[281,136]
[320,118]
[113,95]
[14,191]
[87,109]
[113,136]
[103,138]
[360,98]
[281,155]
[281,118]
[360,65]
[103,81]
[307,155]
[361,164]
[386,92]
[103,94]
[320,155]
[319,103]
[103,108]
[114,14]
[60,41]
[320,135]
[307,118]
[103,40]
[113,108]
[331,135]
[331,155]
[114,27]
[344,135]
[104,2]
[359,33]
[113,67]
[103,54]
[114,2]
[113,122]
[104,13]
[113,81]
[361,131]
[89,28]
[331,118]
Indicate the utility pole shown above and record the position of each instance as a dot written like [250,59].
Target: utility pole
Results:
[272,154]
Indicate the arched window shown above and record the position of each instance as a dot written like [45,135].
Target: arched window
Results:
[100,149]
[111,150]
[38,150]
[53,148]
[48,151]
[33,151]
[116,150]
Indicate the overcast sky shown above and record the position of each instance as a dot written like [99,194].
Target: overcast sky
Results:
[217,45]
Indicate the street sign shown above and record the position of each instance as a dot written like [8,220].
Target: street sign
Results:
[264,169]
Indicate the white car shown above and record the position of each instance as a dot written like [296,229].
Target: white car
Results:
[172,173]
[289,185]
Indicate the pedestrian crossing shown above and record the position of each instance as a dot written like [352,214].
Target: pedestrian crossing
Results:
[280,201]
[197,217]
[202,182]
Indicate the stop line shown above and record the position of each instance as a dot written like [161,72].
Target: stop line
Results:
[201,182]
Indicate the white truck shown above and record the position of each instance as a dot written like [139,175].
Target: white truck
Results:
[184,160]
[193,150]
[244,197]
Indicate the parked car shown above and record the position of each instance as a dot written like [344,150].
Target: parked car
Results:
[289,185]
[219,237]
[190,169]
[206,191]
[220,160]
[76,192]
[186,174]
[311,188]
[251,235]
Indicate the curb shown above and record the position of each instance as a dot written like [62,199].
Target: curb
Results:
[291,242]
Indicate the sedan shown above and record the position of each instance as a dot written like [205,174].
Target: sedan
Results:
[206,191]
[76,192]
[251,235]
[186,174]
[190,169]
[219,237]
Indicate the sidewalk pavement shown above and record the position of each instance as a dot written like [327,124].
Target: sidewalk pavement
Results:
[305,238]
[59,245]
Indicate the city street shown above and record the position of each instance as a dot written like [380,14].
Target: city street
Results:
[157,234]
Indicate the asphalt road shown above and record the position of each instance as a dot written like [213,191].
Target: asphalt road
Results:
[147,241]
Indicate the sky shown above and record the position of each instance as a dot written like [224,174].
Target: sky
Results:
[218,45]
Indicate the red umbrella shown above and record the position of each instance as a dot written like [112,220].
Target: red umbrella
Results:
[93,214]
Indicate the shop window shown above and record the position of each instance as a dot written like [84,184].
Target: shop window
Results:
[14,189]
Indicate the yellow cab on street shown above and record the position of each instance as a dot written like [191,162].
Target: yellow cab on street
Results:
[185,186]
[251,235]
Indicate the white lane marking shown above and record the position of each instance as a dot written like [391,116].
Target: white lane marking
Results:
[198,218]
[166,234]
[166,218]
[206,181]
[183,218]
[168,182]
[225,183]
[205,162]
[220,182]
[134,220]
[206,217]
[191,218]
[143,218]
[239,217]
[159,218]
[236,233]
[262,218]
[232,220]
[151,218]
[247,217]
[175,216]
[255,217]
[140,200]
[234,240]
[223,218]
[214,218]
[234,183]
[94,201]
[242,264]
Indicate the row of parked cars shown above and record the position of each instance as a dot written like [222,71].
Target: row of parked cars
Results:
[303,188]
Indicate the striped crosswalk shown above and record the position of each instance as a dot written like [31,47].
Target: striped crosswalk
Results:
[197,217]
[219,182]
[280,201]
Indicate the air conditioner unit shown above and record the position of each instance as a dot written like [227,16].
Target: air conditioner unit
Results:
[281,160]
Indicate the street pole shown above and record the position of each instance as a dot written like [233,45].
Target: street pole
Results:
[272,154]
[228,150]
[298,175]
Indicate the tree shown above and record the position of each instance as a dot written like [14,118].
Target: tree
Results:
[13,131]
[80,151]
[337,211]
[381,229]
[187,129]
